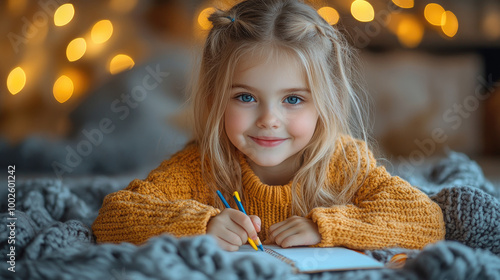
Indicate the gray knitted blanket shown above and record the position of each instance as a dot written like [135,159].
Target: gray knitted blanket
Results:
[53,239]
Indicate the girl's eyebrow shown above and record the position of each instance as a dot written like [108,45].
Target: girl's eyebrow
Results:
[287,90]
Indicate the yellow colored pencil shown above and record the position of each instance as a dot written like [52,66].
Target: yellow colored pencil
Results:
[236,197]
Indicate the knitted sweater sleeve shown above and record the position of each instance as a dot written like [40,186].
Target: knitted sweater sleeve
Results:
[386,211]
[167,201]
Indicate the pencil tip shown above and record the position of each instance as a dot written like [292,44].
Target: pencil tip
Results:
[261,247]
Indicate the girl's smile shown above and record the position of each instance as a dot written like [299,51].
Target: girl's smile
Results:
[268,141]
[270,116]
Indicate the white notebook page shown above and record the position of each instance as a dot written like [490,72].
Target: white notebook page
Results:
[311,259]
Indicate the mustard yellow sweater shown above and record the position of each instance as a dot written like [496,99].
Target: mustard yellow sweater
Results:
[386,211]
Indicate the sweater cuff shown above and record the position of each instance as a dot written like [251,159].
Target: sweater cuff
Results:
[212,213]
[334,226]
[193,220]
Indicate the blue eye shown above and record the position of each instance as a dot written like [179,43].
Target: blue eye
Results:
[293,99]
[245,98]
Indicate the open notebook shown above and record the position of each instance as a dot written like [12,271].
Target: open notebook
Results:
[313,259]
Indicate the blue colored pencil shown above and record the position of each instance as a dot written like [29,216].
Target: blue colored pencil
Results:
[223,199]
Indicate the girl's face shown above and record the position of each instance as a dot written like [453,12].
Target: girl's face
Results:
[270,116]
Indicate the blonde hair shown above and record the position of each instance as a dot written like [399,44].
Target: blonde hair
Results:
[295,27]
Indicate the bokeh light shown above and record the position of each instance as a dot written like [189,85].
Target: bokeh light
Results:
[449,24]
[63,89]
[76,49]
[362,11]
[64,14]
[433,13]
[101,31]
[407,4]
[329,14]
[203,18]
[120,63]
[16,80]
[410,31]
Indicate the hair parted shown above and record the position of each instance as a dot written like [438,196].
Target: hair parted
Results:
[265,28]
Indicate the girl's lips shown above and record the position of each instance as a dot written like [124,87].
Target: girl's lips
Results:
[268,141]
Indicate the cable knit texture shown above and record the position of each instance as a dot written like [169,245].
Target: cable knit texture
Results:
[54,241]
[386,211]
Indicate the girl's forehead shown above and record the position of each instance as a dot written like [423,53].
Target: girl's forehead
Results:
[272,74]
[272,57]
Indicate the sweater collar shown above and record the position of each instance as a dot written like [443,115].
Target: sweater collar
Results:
[255,187]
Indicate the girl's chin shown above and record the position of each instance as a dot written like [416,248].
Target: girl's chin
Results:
[267,161]
[267,164]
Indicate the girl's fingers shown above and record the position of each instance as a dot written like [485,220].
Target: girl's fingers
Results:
[223,227]
[238,231]
[293,240]
[232,228]
[292,219]
[244,222]
[224,244]
[256,222]
[295,231]
[283,235]
[277,225]
[278,228]
[234,236]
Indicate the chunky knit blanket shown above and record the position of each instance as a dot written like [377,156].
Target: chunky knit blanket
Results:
[53,239]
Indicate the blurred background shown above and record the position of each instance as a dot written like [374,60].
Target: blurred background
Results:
[98,87]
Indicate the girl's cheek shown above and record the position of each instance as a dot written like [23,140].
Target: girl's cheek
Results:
[303,125]
[235,120]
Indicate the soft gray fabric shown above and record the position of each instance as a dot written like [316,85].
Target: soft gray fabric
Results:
[472,217]
[454,170]
[54,239]
[467,198]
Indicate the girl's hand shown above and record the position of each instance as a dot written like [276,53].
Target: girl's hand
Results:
[231,228]
[295,231]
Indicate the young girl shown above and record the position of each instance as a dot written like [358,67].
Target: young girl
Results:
[275,110]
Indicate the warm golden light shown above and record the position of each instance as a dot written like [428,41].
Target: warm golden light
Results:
[433,13]
[410,31]
[76,49]
[102,31]
[203,18]
[63,89]
[449,23]
[407,4]
[79,79]
[120,63]
[16,80]
[329,14]
[393,21]
[123,6]
[16,6]
[490,24]
[362,11]
[64,14]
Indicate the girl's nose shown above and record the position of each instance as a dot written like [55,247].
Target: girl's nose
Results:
[268,118]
